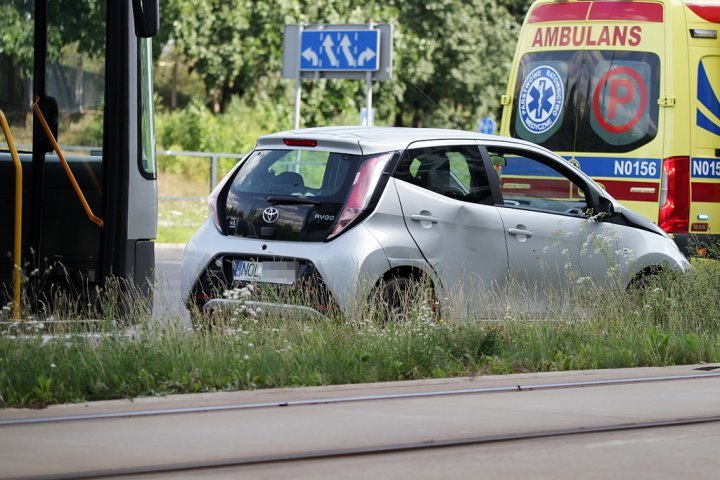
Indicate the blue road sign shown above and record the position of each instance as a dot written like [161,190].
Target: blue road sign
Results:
[340,50]
[487,125]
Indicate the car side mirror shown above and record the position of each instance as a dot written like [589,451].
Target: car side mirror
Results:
[498,161]
[606,206]
[147,17]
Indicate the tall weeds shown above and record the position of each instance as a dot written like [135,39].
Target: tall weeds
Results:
[673,319]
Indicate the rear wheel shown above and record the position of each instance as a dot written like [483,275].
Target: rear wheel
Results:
[401,298]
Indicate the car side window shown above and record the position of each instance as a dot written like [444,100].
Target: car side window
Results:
[527,182]
[453,171]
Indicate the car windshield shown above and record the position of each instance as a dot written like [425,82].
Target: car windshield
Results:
[297,173]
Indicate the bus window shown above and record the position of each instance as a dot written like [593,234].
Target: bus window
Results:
[75,71]
[16,66]
[587,101]
[543,111]
[148,162]
[621,111]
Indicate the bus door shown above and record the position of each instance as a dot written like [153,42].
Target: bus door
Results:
[587,87]
[91,76]
[704,208]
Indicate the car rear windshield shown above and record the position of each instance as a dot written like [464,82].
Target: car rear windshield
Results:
[324,176]
[587,101]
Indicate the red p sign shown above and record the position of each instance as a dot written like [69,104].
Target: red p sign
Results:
[621,90]
[615,98]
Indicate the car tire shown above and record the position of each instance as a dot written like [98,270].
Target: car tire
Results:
[397,297]
[642,279]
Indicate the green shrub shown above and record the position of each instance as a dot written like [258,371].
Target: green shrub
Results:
[196,128]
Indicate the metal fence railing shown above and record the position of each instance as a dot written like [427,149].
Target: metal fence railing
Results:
[212,166]
[212,158]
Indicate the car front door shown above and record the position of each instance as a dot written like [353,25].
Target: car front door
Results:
[552,240]
[449,211]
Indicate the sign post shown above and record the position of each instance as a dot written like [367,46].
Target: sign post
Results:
[368,99]
[354,52]
[298,87]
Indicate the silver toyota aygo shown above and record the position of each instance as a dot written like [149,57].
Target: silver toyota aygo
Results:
[333,214]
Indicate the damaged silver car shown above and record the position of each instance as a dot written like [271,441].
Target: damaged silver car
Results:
[336,213]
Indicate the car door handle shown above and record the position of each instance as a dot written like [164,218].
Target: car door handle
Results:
[519,231]
[424,218]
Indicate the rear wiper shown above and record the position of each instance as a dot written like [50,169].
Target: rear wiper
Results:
[291,200]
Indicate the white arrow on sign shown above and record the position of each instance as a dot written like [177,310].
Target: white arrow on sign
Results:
[366,56]
[328,44]
[345,45]
[311,56]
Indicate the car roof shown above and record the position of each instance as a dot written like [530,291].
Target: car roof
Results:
[367,140]
[370,140]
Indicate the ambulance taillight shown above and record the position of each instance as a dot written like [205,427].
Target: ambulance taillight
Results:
[675,195]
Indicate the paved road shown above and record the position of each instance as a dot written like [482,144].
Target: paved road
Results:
[166,301]
[494,426]
[659,454]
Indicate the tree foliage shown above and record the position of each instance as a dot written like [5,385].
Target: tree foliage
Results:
[450,67]
[69,21]
[451,57]
[16,39]
[452,62]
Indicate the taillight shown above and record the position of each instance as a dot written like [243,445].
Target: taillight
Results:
[361,192]
[212,199]
[300,142]
[675,195]
[212,204]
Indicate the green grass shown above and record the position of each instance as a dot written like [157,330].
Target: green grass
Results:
[178,220]
[674,320]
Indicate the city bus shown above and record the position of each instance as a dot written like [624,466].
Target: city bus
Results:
[629,92]
[88,66]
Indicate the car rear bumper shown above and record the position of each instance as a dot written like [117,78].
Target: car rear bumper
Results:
[342,266]
[704,245]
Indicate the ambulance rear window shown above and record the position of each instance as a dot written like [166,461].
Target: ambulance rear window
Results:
[587,101]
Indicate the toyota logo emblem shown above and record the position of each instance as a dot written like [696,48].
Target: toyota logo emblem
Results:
[270,215]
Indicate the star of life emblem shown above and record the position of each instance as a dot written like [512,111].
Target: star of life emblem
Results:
[541,99]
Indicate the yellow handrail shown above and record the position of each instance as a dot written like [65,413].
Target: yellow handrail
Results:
[65,165]
[17,252]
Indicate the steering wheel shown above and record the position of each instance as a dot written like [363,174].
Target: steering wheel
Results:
[575,211]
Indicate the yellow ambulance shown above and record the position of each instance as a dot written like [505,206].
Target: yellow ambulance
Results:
[629,91]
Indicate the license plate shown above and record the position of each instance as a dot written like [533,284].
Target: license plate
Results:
[270,272]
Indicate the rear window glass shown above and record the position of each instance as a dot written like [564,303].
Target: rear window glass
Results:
[302,173]
[587,101]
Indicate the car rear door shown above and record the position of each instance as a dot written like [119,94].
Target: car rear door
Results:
[550,240]
[449,211]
